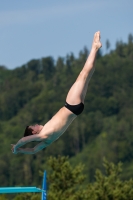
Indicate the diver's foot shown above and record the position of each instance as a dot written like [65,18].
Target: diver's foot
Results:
[96,41]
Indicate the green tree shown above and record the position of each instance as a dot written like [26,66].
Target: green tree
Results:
[48,67]
[130,38]
[119,48]
[110,186]
[64,181]
[3,197]
[28,196]
[107,44]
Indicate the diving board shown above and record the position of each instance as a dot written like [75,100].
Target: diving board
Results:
[7,190]
[19,189]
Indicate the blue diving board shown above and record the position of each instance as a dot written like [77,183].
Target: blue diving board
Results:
[19,189]
[5,190]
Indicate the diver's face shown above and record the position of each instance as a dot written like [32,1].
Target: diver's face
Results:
[36,128]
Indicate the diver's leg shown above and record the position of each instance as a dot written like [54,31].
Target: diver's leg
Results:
[78,90]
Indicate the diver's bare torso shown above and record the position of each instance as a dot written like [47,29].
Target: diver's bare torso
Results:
[57,125]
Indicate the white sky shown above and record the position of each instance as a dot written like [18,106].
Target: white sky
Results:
[31,29]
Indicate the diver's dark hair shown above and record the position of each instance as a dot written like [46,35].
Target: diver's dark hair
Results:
[28,131]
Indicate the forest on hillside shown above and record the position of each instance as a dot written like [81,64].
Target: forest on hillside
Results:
[34,92]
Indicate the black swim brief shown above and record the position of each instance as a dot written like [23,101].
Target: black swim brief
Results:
[76,109]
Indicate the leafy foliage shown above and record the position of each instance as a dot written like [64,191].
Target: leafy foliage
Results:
[64,180]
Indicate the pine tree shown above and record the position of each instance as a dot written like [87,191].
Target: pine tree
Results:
[64,181]
[110,186]
[107,45]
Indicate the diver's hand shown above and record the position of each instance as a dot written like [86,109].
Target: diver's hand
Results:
[26,150]
[13,149]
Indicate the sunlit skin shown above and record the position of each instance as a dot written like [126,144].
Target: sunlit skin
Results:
[58,124]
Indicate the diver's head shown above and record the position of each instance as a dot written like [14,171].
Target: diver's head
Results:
[32,130]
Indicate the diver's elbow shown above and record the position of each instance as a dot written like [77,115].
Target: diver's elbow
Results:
[42,137]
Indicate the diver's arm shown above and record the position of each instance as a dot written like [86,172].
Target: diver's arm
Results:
[34,150]
[26,140]
[25,150]
[40,146]
[45,140]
